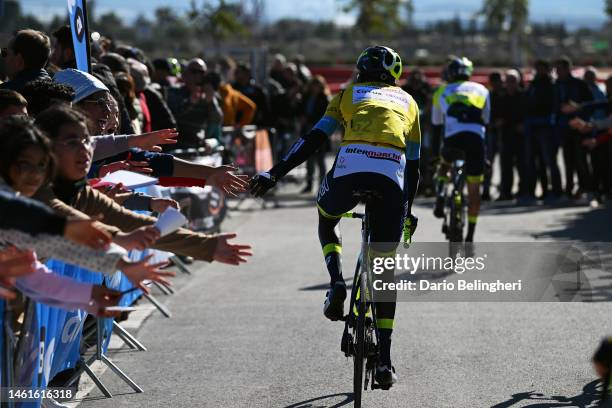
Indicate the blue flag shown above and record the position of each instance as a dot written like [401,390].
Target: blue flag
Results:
[77,10]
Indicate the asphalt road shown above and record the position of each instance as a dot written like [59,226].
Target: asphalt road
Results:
[255,336]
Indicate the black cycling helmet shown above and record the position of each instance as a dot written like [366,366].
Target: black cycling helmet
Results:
[459,68]
[380,63]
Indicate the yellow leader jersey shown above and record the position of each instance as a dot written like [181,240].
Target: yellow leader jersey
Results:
[378,114]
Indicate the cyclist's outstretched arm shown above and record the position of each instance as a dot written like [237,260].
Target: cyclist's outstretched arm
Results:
[301,149]
[305,146]
[299,152]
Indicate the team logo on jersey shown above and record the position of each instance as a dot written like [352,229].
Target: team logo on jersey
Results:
[388,94]
[374,154]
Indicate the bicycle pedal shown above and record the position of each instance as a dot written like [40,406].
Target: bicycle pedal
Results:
[376,386]
[346,344]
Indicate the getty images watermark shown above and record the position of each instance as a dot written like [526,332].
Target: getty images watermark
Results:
[458,264]
[529,272]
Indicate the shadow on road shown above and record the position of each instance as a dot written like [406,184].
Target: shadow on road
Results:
[319,402]
[589,395]
[588,226]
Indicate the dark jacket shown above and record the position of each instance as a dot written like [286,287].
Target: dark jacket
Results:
[540,98]
[24,77]
[29,216]
[161,116]
[513,109]
[572,89]
[313,109]
[257,94]
[194,119]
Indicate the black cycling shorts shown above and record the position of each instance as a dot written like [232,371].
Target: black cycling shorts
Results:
[472,145]
[387,214]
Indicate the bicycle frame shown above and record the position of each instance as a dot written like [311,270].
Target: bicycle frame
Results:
[455,201]
[360,322]
[361,268]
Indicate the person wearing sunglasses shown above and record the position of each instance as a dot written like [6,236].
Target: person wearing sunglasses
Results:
[196,109]
[25,58]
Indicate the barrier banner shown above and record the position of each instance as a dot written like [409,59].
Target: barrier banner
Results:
[64,342]
[3,352]
[28,361]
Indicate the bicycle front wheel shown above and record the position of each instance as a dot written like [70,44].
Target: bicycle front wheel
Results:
[360,352]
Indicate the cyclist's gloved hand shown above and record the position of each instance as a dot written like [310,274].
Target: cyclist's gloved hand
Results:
[410,226]
[261,183]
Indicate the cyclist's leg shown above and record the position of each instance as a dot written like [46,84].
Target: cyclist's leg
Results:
[335,198]
[441,179]
[386,223]
[473,146]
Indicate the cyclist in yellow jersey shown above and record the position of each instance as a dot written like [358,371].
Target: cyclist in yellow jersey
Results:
[380,152]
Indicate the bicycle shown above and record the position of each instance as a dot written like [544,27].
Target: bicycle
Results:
[360,335]
[455,208]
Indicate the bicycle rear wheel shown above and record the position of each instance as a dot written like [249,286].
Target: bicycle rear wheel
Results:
[360,346]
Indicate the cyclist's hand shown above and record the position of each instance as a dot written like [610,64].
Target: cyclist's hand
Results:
[261,183]
[410,226]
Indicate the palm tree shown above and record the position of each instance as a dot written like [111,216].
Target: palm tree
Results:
[511,16]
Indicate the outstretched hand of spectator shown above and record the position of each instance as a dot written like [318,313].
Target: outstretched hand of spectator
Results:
[223,178]
[14,263]
[138,239]
[590,143]
[159,205]
[141,271]
[570,107]
[112,191]
[129,165]
[85,232]
[104,297]
[151,141]
[581,126]
[231,254]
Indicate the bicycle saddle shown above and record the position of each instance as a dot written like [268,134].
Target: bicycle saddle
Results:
[450,154]
[367,196]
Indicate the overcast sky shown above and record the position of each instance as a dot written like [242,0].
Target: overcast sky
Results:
[574,13]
